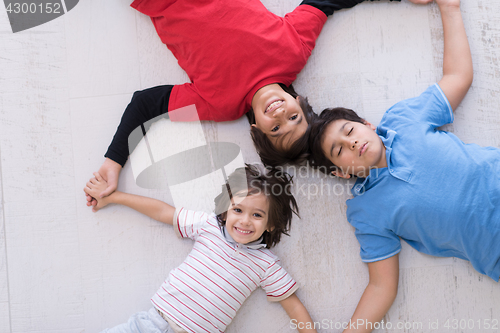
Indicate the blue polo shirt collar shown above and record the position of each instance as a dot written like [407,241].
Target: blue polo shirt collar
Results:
[399,171]
[255,245]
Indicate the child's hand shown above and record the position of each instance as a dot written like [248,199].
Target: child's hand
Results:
[94,188]
[109,171]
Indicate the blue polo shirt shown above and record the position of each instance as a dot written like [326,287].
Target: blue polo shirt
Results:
[438,194]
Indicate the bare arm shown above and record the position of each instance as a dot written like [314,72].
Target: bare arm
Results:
[457,60]
[298,314]
[153,208]
[378,295]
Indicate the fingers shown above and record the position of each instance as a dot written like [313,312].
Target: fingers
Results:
[110,189]
[91,185]
[89,199]
[97,176]
[96,207]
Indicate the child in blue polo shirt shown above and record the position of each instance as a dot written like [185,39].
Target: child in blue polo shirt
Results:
[415,181]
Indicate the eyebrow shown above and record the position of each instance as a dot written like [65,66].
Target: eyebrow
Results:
[333,143]
[258,209]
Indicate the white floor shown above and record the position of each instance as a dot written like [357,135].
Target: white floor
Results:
[64,86]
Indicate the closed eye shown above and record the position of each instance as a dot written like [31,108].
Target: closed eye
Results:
[340,149]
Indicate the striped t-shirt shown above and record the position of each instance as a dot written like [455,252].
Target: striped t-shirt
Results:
[204,293]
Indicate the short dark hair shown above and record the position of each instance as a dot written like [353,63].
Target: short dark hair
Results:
[275,185]
[298,151]
[317,158]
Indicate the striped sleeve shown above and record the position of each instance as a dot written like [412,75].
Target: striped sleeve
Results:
[277,283]
[189,223]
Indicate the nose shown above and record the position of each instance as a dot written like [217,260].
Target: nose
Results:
[245,219]
[279,112]
[353,144]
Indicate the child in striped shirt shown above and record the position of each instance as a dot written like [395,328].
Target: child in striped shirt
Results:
[230,257]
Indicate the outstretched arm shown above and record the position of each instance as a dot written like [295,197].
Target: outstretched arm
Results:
[153,208]
[378,295]
[298,314]
[330,6]
[145,105]
[457,60]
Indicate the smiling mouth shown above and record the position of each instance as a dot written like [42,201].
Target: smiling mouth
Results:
[363,148]
[241,231]
[274,105]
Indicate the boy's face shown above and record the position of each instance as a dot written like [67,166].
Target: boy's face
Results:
[246,218]
[278,115]
[354,147]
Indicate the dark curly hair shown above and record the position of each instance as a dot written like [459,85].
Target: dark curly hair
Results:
[317,158]
[275,185]
[298,152]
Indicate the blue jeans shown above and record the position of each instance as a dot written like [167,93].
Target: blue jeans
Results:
[143,322]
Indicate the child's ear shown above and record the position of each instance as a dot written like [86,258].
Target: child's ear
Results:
[253,125]
[340,174]
[369,125]
[298,98]
[223,217]
[270,229]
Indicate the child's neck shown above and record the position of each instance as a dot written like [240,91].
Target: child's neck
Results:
[383,160]
[382,163]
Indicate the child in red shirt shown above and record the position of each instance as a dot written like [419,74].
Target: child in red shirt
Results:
[240,59]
